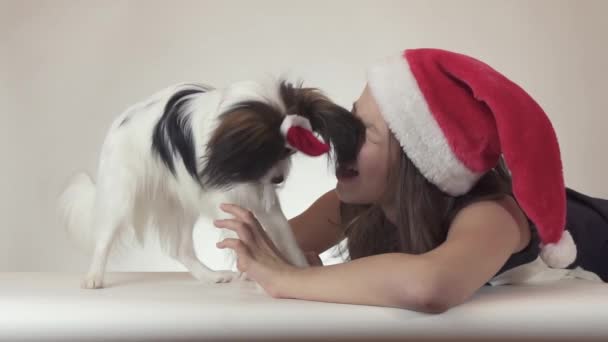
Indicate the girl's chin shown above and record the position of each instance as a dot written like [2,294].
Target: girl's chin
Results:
[347,196]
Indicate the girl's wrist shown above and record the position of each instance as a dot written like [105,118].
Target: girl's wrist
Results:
[285,282]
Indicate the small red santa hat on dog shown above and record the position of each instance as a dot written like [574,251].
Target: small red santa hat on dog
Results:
[299,135]
[454,116]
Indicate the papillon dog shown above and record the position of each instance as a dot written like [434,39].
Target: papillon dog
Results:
[173,158]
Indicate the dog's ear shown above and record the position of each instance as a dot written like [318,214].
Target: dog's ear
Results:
[246,144]
[336,125]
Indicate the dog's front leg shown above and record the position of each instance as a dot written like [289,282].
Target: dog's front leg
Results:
[187,256]
[278,228]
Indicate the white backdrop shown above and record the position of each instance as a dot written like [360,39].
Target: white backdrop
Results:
[68,67]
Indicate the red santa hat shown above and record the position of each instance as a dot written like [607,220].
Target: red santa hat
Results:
[454,116]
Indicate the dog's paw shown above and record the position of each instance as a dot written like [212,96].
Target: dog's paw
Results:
[224,276]
[92,282]
[214,277]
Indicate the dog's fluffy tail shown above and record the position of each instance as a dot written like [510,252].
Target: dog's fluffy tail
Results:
[76,210]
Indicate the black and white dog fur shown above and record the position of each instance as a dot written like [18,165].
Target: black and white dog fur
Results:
[173,158]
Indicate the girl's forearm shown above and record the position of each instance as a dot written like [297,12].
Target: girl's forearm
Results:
[391,280]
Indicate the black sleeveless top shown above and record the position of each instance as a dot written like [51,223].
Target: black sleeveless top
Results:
[587,222]
[526,255]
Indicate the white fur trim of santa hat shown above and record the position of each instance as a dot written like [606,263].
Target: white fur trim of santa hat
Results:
[560,254]
[407,114]
[293,120]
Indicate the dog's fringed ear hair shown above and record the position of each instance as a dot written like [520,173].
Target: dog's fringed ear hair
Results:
[338,127]
[245,145]
[298,133]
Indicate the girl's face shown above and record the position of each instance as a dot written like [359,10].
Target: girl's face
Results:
[365,181]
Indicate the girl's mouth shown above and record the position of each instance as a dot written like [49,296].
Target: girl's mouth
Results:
[346,172]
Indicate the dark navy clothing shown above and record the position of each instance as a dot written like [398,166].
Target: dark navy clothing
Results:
[587,222]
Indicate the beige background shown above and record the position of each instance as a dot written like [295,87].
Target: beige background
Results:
[68,67]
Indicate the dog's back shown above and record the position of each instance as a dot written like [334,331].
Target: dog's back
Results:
[132,168]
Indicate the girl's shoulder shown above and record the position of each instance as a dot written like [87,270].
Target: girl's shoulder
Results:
[528,250]
[510,204]
[505,201]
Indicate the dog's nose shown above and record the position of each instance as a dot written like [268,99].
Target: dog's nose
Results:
[277,180]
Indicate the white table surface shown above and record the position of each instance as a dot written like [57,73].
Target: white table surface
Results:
[174,306]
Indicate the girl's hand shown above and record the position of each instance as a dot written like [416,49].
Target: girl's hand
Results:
[256,253]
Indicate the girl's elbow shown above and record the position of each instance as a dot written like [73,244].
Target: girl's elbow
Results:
[431,297]
[432,302]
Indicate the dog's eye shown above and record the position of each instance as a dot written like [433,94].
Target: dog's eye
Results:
[287,152]
[277,180]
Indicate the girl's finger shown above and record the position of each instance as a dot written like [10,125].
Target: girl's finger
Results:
[242,252]
[235,244]
[242,230]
